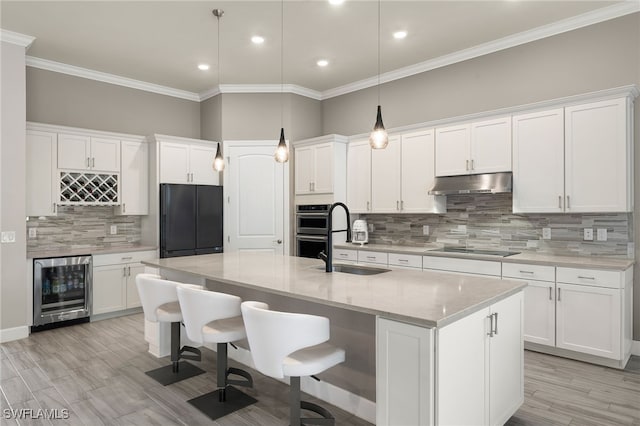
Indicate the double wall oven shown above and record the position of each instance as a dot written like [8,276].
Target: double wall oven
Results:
[312,222]
[61,289]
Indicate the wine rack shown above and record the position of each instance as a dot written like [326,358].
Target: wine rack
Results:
[88,188]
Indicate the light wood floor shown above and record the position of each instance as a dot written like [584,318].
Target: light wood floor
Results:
[96,372]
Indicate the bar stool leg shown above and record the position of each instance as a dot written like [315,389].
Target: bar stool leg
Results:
[294,401]
[175,346]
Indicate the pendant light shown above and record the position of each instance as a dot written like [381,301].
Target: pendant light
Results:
[379,139]
[282,152]
[218,162]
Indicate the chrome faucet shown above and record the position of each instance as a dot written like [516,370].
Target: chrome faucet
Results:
[328,256]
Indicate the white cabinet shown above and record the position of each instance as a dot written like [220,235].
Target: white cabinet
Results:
[41,179]
[465,266]
[417,173]
[83,152]
[114,286]
[314,169]
[365,256]
[480,362]
[385,177]
[479,147]
[359,177]
[187,161]
[345,255]
[134,178]
[405,260]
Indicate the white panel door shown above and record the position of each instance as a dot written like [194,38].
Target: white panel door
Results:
[596,166]
[201,165]
[41,173]
[538,162]
[254,195]
[540,312]
[323,169]
[491,146]
[133,298]
[359,177]
[134,178]
[385,178]
[108,289]
[588,319]
[74,151]
[304,169]
[417,174]
[105,155]
[453,150]
[174,163]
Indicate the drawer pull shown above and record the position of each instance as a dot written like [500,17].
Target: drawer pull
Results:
[527,272]
[371,257]
[403,260]
[127,258]
[343,254]
[586,278]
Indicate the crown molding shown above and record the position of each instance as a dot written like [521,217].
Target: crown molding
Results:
[570,24]
[104,77]
[55,128]
[16,38]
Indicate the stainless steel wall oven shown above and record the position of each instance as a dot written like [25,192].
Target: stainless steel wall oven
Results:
[61,289]
[312,222]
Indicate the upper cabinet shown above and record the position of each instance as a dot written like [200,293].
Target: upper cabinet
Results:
[41,173]
[134,178]
[385,177]
[187,161]
[575,159]
[472,148]
[359,176]
[320,169]
[83,152]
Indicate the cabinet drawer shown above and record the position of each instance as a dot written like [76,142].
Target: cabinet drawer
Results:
[119,258]
[409,260]
[344,254]
[469,266]
[528,272]
[591,277]
[372,257]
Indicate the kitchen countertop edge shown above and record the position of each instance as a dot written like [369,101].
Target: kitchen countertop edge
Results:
[91,251]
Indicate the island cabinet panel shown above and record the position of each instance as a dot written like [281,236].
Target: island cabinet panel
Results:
[404,374]
[480,366]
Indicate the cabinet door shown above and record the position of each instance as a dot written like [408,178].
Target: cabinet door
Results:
[174,163]
[588,319]
[417,174]
[134,187]
[304,169]
[41,173]
[74,152]
[201,165]
[105,155]
[538,162]
[385,178]
[453,150]
[133,299]
[506,360]
[540,312]
[597,160]
[359,177]
[323,169]
[491,146]
[108,289]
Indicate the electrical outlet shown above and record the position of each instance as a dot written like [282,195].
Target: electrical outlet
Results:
[33,232]
[425,229]
[113,230]
[8,237]
[588,234]
[601,234]
[546,233]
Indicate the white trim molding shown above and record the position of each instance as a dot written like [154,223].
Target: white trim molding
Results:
[261,88]
[16,38]
[15,333]
[635,347]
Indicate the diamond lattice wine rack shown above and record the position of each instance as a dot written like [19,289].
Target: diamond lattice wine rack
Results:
[88,188]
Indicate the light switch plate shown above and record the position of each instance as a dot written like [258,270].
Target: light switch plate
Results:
[601,234]
[588,234]
[113,230]
[546,233]
[8,237]
[33,232]
[425,229]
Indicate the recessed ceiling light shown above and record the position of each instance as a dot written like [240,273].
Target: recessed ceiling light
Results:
[322,63]
[336,2]
[203,67]
[257,39]
[400,34]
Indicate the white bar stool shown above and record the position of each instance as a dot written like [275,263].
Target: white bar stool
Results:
[211,317]
[160,304]
[293,345]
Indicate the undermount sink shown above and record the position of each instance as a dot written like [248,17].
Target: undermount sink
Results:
[358,270]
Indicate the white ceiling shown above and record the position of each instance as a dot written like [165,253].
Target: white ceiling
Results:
[162,42]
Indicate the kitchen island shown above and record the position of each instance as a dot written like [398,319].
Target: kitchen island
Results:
[448,346]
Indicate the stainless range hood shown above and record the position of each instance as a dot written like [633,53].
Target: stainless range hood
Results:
[488,183]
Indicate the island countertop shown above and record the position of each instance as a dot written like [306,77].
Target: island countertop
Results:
[431,299]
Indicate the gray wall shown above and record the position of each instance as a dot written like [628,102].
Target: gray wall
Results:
[211,118]
[66,100]
[13,273]
[597,57]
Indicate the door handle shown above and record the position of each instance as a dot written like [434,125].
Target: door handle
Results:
[550,293]
[88,162]
[472,164]
[559,201]
[559,294]
[93,161]
[467,166]
[568,202]
[128,271]
[401,205]
[490,333]
[495,325]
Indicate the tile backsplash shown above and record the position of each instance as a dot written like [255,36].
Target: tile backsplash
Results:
[79,227]
[486,221]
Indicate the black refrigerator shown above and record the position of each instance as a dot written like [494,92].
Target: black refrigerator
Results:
[190,219]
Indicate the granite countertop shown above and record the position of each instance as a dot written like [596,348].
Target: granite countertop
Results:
[426,298]
[84,251]
[588,262]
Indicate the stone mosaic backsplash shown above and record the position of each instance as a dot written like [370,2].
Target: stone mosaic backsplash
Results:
[80,227]
[486,221]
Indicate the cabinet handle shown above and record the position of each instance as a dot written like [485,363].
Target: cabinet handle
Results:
[371,257]
[472,165]
[310,187]
[467,166]
[128,271]
[490,333]
[397,205]
[93,161]
[568,202]
[401,205]
[127,258]
[526,272]
[368,205]
[586,278]
[124,271]
[559,299]
[342,254]
[559,201]
[88,162]
[550,293]
[54,207]
[495,331]
[313,186]
[403,260]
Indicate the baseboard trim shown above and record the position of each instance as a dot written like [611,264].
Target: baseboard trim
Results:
[350,402]
[15,333]
[635,347]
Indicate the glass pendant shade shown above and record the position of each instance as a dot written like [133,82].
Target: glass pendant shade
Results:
[379,139]
[218,162]
[282,152]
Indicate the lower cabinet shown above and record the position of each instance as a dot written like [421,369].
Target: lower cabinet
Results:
[114,281]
